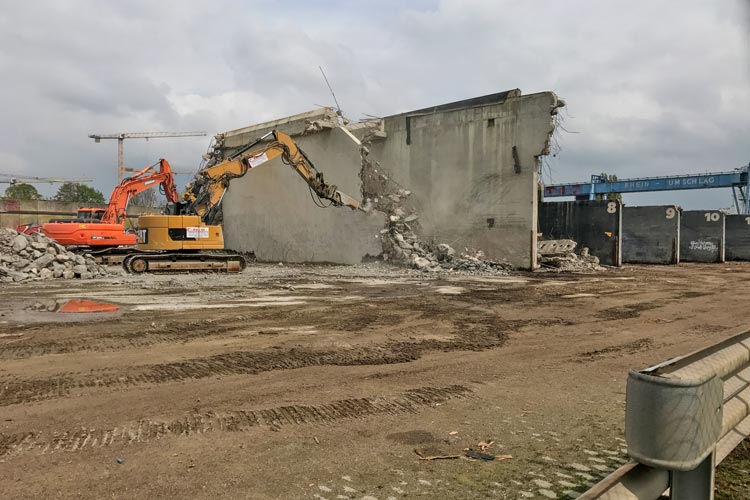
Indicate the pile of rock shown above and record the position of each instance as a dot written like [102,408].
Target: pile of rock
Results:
[402,245]
[34,256]
[560,256]
[399,238]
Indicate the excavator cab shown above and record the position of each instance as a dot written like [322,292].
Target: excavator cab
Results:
[90,215]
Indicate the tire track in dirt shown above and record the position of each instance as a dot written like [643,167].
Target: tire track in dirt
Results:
[475,334]
[234,363]
[636,346]
[131,332]
[141,337]
[145,430]
[134,334]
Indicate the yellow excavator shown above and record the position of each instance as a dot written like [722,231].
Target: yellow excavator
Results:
[191,238]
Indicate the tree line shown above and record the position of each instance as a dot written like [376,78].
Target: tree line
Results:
[69,191]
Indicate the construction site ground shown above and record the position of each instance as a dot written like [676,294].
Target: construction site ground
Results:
[334,382]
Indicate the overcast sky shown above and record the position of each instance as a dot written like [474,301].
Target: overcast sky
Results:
[653,87]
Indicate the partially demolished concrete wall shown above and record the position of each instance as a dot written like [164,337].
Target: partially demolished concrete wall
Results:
[471,166]
[270,212]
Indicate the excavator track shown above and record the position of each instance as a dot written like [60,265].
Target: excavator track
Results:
[110,256]
[153,262]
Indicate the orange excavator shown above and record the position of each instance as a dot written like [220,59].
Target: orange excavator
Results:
[104,228]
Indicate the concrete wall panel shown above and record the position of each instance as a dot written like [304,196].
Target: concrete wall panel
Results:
[593,224]
[702,236]
[737,237]
[651,235]
[469,189]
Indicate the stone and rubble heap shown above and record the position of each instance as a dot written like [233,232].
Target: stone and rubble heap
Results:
[560,256]
[399,238]
[34,256]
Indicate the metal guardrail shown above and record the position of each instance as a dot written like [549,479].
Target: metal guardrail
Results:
[682,418]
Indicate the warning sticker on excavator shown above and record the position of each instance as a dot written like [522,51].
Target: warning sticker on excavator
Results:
[254,161]
[196,232]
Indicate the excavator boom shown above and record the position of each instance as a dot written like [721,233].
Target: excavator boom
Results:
[141,181]
[205,194]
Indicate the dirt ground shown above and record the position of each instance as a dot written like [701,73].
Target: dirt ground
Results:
[328,382]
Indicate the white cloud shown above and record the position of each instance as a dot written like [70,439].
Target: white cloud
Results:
[652,87]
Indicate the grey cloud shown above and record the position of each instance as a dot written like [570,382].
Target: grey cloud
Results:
[658,89]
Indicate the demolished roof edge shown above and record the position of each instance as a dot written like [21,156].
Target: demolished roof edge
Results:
[488,99]
[315,114]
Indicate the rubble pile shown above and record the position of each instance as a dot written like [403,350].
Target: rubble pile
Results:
[560,256]
[399,238]
[34,256]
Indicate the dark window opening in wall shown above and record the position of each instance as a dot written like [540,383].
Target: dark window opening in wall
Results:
[491,122]
[490,222]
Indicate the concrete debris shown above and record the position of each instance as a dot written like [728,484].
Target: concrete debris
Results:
[399,238]
[314,126]
[560,256]
[556,247]
[34,256]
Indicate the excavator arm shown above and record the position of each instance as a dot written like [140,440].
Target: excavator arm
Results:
[141,181]
[205,194]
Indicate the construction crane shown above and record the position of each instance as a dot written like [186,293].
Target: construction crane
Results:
[737,179]
[137,135]
[13,179]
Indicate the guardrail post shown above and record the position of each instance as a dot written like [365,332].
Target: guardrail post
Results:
[673,424]
[682,418]
[697,484]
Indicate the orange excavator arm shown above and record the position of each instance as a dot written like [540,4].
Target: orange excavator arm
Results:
[141,181]
[205,194]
